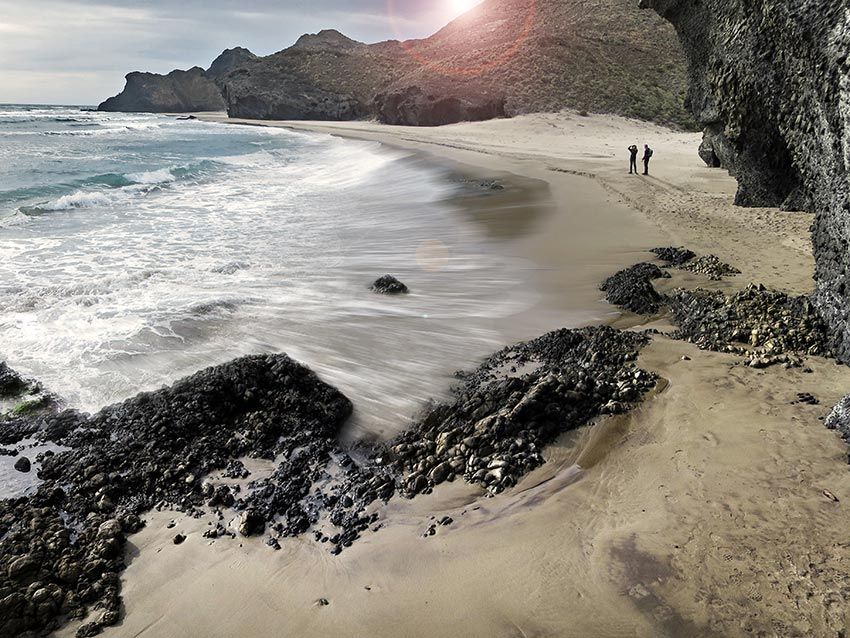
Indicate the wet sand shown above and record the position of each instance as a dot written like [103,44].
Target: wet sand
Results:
[701,513]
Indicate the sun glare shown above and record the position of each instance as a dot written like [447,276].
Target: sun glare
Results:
[462,6]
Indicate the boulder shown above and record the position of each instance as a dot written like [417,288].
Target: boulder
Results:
[388,285]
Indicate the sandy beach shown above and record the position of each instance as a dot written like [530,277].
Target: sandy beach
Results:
[700,513]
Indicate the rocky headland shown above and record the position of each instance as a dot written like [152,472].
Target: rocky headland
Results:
[178,91]
[503,58]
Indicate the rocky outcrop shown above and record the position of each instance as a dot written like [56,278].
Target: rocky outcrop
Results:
[179,91]
[61,547]
[770,81]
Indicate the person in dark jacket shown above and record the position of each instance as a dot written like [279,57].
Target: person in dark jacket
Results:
[647,155]
[633,151]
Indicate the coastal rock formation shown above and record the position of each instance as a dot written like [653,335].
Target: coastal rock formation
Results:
[179,91]
[502,58]
[770,82]
[61,547]
[756,317]
[495,428]
[632,288]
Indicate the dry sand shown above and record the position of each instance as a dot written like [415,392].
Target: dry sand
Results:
[701,513]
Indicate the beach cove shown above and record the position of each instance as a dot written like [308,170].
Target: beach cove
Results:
[702,512]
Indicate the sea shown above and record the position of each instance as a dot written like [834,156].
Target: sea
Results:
[137,249]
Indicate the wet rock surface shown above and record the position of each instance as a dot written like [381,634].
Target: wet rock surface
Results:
[494,430]
[388,285]
[756,317]
[151,451]
[632,288]
[12,384]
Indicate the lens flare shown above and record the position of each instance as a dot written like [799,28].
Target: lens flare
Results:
[426,54]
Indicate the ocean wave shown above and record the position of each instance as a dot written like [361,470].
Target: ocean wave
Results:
[161,176]
[80,199]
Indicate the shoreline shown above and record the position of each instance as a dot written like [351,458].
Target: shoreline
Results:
[699,513]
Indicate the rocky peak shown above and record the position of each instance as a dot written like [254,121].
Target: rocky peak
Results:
[326,39]
[229,60]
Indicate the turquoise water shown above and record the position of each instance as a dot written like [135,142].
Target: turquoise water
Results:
[136,249]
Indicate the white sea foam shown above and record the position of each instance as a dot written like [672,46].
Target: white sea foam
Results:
[80,199]
[161,176]
[218,247]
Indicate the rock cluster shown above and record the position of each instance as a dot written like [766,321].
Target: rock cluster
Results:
[769,82]
[684,259]
[495,428]
[674,256]
[711,267]
[756,317]
[632,288]
[61,548]
[388,285]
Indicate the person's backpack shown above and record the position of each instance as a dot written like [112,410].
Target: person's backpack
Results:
[650,153]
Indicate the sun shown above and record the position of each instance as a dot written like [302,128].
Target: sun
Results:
[462,6]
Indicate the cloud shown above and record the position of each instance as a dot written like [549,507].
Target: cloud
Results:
[78,51]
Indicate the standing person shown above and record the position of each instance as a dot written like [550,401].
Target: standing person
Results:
[633,151]
[647,154]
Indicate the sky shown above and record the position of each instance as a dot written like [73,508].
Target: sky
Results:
[78,51]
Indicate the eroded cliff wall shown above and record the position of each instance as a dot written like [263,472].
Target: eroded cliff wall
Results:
[770,82]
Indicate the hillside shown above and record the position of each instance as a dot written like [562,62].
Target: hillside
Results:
[503,58]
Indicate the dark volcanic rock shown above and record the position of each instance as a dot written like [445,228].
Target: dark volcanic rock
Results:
[674,256]
[632,288]
[177,92]
[413,106]
[150,450]
[769,81]
[756,317]
[23,464]
[711,267]
[11,383]
[517,401]
[388,285]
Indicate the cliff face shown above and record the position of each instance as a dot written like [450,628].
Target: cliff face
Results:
[770,81]
[179,91]
[505,57]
